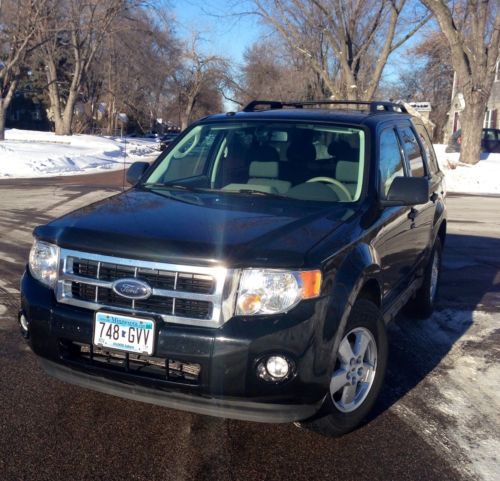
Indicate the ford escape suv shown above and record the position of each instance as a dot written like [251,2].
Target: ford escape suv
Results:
[250,271]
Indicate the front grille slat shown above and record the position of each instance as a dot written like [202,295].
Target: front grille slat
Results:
[89,282]
[158,279]
[154,304]
[131,363]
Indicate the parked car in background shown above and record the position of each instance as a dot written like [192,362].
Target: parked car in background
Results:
[167,139]
[250,272]
[490,141]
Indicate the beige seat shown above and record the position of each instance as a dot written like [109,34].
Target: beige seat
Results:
[267,173]
[347,173]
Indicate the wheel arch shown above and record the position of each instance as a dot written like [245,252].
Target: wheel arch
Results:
[358,274]
[371,291]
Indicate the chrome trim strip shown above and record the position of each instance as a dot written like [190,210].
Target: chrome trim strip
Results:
[86,280]
[222,299]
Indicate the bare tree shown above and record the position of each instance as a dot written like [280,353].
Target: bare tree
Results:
[347,44]
[428,77]
[71,35]
[135,65]
[472,29]
[18,22]
[196,72]
[271,72]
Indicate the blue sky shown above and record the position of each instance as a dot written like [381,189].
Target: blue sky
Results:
[223,36]
[229,36]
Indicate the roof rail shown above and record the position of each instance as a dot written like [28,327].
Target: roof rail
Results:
[374,106]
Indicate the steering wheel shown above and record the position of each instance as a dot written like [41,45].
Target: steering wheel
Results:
[339,188]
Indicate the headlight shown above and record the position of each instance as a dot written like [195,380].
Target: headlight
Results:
[44,260]
[265,291]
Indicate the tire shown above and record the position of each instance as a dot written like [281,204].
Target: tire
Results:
[338,416]
[422,305]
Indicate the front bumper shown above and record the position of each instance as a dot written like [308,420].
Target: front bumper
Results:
[223,408]
[228,385]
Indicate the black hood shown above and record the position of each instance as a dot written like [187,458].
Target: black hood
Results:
[205,228]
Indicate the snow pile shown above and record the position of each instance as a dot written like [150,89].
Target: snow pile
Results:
[481,178]
[27,153]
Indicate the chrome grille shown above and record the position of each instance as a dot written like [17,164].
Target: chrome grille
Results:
[180,294]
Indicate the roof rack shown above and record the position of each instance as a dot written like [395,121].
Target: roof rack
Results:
[374,106]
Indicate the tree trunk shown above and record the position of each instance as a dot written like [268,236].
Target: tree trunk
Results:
[185,115]
[3,114]
[184,120]
[64,127]
[472,125]
[4,106]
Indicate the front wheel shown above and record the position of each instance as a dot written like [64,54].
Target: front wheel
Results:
[358,373]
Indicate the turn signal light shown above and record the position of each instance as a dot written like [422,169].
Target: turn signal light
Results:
[311,283]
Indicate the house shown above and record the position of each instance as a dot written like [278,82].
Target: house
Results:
[491,118]
[26,111]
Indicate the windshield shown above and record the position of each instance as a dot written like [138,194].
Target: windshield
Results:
[310,162]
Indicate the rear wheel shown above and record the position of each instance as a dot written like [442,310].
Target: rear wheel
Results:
[422,305]
[358,373]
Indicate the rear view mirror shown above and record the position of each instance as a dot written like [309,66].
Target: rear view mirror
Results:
[136,171]
[407,191]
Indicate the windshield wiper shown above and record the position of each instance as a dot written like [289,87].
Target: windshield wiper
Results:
[173,185]
[257,192]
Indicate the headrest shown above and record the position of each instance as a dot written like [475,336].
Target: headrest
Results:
[301,152]
[269,170]
[347,171]
[342,150]
[236,145]
[265,153]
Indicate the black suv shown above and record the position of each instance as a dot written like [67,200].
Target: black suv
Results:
[251,270]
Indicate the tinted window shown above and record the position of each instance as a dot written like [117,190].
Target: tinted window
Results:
[429,151]
[413,152]
[489,134]
[189,159]
[268,157]
[391,163]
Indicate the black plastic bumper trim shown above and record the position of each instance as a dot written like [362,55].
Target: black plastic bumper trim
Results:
[222,408]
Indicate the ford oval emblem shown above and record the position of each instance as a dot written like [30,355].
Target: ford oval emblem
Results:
[132,288]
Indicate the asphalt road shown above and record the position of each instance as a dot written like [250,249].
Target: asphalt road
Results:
[436,420]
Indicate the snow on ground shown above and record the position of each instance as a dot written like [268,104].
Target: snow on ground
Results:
[481,178]
[28,153]
[462,401]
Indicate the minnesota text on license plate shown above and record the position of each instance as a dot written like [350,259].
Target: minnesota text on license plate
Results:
[125,333]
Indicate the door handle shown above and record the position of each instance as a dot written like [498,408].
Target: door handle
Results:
[434,197]
[412,214]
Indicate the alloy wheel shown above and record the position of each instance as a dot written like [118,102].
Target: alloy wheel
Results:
[354,374]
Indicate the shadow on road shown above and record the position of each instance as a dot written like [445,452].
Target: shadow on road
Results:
[470,281]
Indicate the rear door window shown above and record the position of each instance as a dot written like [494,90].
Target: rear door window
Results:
[391,161]
[412,151]
[429,150]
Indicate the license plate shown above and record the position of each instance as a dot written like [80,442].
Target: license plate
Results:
[125,333]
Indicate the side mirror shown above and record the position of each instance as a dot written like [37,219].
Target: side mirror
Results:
[136,171]
[407,191]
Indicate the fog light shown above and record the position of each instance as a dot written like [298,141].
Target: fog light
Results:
[24,325]
[275,368]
